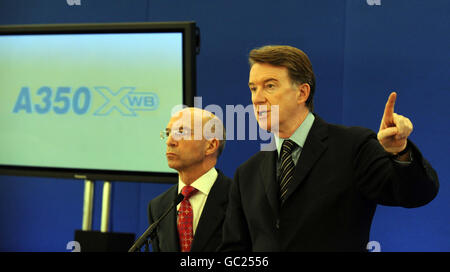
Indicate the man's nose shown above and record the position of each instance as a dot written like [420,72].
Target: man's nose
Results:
[171,141]
[258,96]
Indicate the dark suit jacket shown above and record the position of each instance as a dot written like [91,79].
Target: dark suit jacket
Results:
[340,177]
[208,235]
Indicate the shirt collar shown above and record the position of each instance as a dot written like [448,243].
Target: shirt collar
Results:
[203,183]
[299,135]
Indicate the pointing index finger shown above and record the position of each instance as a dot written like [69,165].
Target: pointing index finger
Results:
[388,115]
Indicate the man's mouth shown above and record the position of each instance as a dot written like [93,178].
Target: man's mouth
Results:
[170,154]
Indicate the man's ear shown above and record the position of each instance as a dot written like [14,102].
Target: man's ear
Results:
[212,146]
[304,90]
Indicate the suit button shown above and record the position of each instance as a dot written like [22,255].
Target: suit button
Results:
[277,225]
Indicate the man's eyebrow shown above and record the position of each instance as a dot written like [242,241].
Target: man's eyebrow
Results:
[173,126]
[270,79]
[265,81]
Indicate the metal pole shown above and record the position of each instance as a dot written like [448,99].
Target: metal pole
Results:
[87,205]
[106,206]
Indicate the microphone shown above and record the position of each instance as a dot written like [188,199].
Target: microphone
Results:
[150,232]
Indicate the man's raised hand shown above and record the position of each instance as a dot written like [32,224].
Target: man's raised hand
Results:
[394,128]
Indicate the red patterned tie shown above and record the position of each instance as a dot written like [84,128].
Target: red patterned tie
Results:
[185,219]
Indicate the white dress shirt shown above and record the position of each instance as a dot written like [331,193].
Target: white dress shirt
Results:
[203,184]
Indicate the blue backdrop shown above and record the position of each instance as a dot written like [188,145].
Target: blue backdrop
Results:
[361,50]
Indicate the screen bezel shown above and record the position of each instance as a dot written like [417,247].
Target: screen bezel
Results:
[190,48]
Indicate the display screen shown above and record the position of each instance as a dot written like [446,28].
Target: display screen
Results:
[94,101]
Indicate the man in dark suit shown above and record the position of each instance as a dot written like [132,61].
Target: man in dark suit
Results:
[318,190]
[195,139]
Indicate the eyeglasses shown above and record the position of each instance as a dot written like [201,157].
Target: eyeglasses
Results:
[177,134]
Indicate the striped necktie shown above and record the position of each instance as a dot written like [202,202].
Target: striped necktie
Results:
[287,167]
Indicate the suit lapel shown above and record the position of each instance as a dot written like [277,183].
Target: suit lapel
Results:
[168,226]
[212,215]
[269,178]
[313,149]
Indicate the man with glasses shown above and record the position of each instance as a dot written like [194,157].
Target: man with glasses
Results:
[195,138]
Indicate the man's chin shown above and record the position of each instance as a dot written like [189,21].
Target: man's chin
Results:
[173,165]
